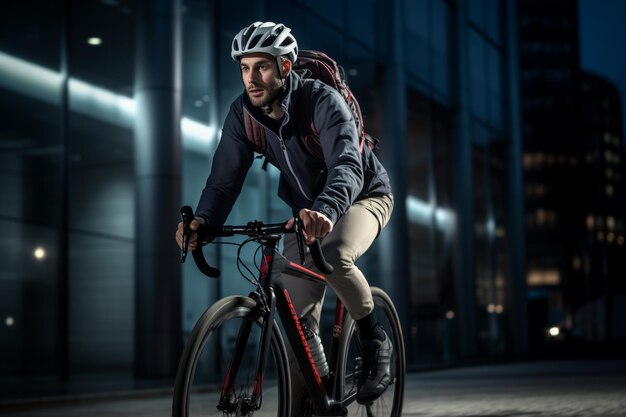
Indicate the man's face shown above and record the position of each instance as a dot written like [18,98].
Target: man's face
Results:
[259,73]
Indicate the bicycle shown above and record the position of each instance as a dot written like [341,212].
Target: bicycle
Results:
[257,374]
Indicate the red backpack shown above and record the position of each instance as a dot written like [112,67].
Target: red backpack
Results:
[313,65]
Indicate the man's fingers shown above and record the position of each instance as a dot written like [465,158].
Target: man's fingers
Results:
[310,239]
[290,223]
[193,238]
[315,225]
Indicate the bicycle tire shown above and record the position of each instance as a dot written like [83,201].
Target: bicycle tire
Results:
[197,390]
[348,364]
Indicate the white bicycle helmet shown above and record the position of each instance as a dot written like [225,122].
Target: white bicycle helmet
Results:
[267,37]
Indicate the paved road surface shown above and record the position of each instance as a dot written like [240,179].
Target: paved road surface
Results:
[572,388]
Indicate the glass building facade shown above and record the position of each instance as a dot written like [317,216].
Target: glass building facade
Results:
[436,81]
[573,186]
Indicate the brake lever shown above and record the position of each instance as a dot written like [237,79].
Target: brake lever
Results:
[186,214]
[299,238]
[315,249]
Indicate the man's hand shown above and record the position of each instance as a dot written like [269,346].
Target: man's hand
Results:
[193,236]
[316,225]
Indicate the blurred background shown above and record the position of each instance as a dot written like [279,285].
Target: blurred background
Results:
[501,124]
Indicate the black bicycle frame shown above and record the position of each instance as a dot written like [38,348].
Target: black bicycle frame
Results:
[278,299]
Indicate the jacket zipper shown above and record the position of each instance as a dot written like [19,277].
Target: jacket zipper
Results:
[285,154]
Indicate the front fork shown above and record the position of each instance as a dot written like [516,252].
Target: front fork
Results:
[266,309]
[254,401]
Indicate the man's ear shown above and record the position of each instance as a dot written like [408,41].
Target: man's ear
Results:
[286,67]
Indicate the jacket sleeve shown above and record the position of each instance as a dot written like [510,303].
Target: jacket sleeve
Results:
[231,162]
[340,144]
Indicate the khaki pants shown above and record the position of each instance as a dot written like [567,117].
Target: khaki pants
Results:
[352,235]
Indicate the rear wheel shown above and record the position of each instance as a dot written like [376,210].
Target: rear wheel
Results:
[349,363]
[205,361]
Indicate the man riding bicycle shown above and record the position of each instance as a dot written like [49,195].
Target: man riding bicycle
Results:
[343,200]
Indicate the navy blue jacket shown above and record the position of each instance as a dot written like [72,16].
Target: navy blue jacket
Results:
[330,186]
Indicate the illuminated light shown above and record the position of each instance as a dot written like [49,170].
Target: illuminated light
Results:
[610,237]
[600,236]
[421,212]
[45,85]
[94,41]
[39,253]
[541,216]
[589,222]
[491,226]
[444,217]
[80,88]
[30,80]
[539,158]
[198,103]
[543,277]
[197,136]
[102,104]
[554,331]
[610,222]
[607,137]
[499,309]
[609,190]
[126,104]
[9,321]
[450,315]
[528,161]
[491,308]
[577,263]
[620,240]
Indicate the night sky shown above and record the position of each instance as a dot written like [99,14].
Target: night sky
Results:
[602,39]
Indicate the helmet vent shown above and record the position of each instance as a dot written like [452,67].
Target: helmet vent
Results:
[254,41]
[269,41]
[248,33]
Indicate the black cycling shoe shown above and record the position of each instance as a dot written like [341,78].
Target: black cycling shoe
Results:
[375,372]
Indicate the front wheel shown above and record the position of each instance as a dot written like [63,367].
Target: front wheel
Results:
[389,404]
[207,356]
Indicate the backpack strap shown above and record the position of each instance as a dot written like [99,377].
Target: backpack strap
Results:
[254,131]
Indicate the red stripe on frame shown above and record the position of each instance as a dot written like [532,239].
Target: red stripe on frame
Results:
[295,318]
[308,271]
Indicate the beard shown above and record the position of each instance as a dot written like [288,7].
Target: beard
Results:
[270,94]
